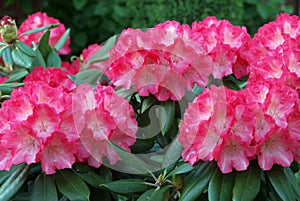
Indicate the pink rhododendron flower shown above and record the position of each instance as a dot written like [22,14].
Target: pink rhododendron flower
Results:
[33,128]
[233,127]
[163,61]
[103,116]
[40,19]
[225,43]
[274,51]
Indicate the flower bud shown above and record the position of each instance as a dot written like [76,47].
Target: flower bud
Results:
[8,29]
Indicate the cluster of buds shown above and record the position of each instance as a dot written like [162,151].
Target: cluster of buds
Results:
[8,29]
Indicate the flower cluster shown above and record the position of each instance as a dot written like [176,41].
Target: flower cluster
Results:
[167,59]
[259,122]
[37,20]
[274,52]
[38,122]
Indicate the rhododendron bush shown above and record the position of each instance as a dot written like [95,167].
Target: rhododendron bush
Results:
[171,112]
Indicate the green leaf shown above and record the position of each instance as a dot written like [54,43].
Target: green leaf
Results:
[198,181]
[71,185]
[43,28]
[220,186]
[130,163]
[146,196]
[173,153]
[281,183]
[166,114]
[14,182]
[44,46]
[126,186]
[2,48]
[17,75]
[21,59]
[103,53]
[92,178]
[7,57]
[90,76]
[53,60]
[63,39]
[38,60]
[293,182]
[79,4]
[44,189]
[147,103]
[181,169]
[158,194]
[247,183]
[25,49]
[11,84]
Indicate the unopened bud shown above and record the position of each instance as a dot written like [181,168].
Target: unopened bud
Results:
[8,29]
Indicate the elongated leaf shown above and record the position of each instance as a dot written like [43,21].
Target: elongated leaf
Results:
[92,178]
[43,28]
[198,181]
[39,59]
[4,174]
[44,46]
[158,194]
[173,153]
[21,59]
[44,189]
[166,115]
[103,53]
[17,75]
[71,185]
[25,49]
[11,84]
[146,196]
[53,60]
[2,48]
[90,76]
[63,39]
[293,182]
[247,183]
[183,168]
[281,183]
[126,186]
[131,163]
[7,57]
[220,186]
[11,186]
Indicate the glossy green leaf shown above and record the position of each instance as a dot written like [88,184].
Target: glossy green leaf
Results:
[44,46]
[21,59]
[247,183]
[7,57]
[147,103]
[181,169]
[25,49]
[44,189]
[90,76]
[79,4]
[11,84]
[3,48]
[63,39]
[53,60]
[281,183]
[126,186]
[198,181]
[166,114]
[146,195]
[17,75]
[71,185]
[158,194]
[293,182]
[103,53]
[92,178]
[43,28]
[130,163]
[14,182]
[220,186]
[173,153]
[39,59]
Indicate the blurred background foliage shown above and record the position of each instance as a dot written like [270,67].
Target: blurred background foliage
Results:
[93,21]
